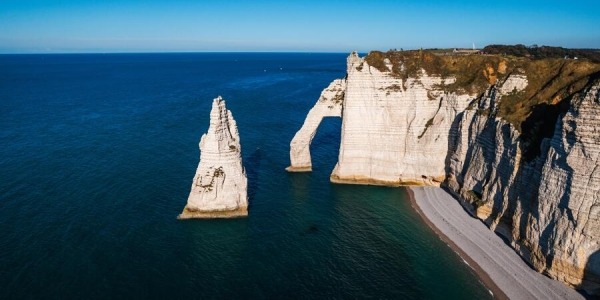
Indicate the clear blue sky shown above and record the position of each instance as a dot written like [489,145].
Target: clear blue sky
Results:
[33,26]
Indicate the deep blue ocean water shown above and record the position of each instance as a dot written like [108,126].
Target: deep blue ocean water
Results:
[97,156]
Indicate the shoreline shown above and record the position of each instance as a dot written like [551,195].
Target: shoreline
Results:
[497,265]
[487,281]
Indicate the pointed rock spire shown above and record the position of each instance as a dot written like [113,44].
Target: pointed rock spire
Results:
[219,188]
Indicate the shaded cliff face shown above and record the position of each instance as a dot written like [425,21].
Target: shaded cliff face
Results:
[547,205]
[516,139]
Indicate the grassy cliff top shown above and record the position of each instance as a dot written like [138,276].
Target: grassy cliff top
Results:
[542,52]
[551,80]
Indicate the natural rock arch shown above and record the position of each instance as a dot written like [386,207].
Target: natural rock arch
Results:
[328,105]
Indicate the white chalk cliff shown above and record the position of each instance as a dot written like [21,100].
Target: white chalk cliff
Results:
[541,191]
[219,188]
[328,105]
[547,205]
[392,127]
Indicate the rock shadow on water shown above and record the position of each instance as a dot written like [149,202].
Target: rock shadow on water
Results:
[312,229]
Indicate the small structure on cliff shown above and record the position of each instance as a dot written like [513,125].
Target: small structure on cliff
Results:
[219,188]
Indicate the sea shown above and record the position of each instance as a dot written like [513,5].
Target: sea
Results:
[97,156]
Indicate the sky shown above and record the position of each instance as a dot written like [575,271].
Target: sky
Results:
[83,26]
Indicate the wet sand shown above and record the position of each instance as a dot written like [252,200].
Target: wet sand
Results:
[500,268]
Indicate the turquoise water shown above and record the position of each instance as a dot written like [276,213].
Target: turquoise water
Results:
[97,157]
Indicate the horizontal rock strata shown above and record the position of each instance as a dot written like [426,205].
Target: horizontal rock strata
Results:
[547,205]
[536,183]
[219,188]
[394,129]
[328,105]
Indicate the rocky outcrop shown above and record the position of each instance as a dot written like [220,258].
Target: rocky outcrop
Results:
[394,129]
[328,105]
[529,170]
[219,188]
[567,202]
[546,205]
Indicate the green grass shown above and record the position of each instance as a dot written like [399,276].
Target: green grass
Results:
[551,80]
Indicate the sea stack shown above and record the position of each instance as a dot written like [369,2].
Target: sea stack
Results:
[219,188]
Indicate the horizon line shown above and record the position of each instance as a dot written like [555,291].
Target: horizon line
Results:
[257,52]
[174,52]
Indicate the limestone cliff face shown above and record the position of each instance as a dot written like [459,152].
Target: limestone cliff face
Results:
[570,173]
[219,188]
[547,205]
[394,130]
[537,183]
[328,105]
